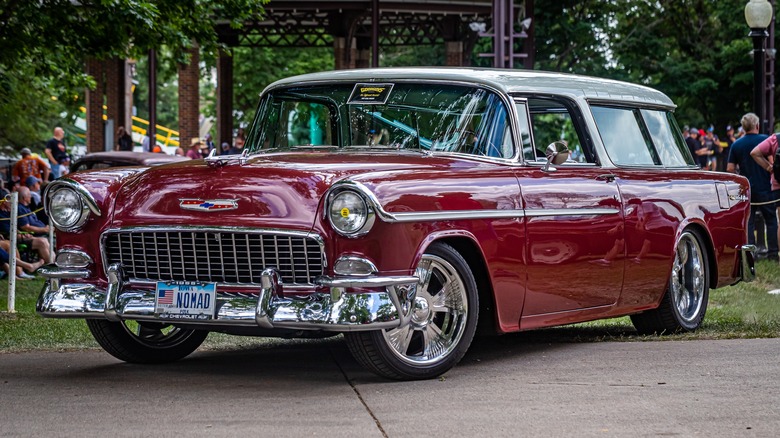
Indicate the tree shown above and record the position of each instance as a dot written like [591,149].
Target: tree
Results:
[255,68]
[695,51]
[45,42]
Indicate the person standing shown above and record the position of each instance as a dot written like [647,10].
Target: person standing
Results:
[228,150]
[57,152]
[145,144]
[124,142]
[29,166]
[696,147]
[712,146]
[194,152]
[741,158]
[209,141]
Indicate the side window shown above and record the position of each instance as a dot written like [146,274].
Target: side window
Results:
[297,123]
[494,134]
[551,121]
[623,138]
[306,124]
[670,146]
[525,131]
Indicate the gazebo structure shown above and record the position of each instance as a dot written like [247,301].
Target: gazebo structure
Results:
[357,30]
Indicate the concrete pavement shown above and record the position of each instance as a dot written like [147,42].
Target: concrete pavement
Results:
[504,387]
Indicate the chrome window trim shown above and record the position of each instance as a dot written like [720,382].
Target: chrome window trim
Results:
[428,216]
[183,228]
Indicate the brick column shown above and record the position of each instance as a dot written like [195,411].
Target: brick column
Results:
[94,103]
[454,53]
[115,93]
[189,99]
[345,56]
[224,99]
[363,58]
[340,53]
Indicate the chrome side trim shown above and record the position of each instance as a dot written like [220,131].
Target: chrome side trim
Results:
[570,212]
[424,216]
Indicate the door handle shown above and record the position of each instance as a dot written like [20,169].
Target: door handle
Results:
[608,177]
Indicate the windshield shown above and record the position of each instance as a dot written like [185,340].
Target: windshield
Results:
[431,117]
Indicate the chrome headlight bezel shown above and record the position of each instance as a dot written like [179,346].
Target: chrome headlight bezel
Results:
[81,201]
[349,202]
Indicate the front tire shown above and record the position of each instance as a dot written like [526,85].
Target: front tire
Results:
[145,342]
[684,304]
[442,326]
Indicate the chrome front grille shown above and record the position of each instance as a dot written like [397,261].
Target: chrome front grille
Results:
[235,257]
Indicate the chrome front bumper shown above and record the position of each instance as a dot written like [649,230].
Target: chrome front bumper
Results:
[335,311]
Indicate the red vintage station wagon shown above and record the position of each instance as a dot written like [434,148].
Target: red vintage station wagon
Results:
[407,209]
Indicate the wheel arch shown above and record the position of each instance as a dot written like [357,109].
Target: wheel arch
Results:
[468,248]
[706,240]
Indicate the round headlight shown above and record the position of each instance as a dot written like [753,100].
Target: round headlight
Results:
[66,209]
[348,213]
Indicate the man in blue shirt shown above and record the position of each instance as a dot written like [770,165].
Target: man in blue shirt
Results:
[760,185]
[28,221]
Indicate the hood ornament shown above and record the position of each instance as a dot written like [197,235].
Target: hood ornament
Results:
[208,204]
[214,160]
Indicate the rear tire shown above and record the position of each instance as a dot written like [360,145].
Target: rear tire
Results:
[145,342]
[684,304]
[442,326]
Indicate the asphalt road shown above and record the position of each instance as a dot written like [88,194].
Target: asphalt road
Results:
[504,387]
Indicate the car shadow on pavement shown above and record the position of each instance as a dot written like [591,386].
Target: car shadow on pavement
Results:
[328,360]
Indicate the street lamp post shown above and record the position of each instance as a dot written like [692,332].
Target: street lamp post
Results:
[758,14]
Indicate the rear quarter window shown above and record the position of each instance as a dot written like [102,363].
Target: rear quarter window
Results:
[622,133]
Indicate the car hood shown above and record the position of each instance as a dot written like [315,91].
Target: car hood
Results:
[270,190]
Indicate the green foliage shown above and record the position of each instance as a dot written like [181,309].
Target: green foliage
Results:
[254,69]
[46,41]
[696,51]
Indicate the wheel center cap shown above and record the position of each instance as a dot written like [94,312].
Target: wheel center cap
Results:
[421,311]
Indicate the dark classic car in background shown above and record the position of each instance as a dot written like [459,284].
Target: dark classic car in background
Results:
[405,208]
[102,160]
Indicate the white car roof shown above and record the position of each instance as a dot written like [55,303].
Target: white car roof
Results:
[506,80]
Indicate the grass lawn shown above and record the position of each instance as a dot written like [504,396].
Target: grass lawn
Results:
[742,311]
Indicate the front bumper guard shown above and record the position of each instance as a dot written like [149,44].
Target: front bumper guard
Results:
[747,262]
[335,311]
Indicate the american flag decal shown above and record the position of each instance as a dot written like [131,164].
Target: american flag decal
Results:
[165,296]
[208,204]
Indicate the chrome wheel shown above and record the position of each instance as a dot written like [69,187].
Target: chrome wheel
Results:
[438,315]
[684,304]
[442,322]
[688,280]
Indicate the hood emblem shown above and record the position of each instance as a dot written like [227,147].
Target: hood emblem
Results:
[208,204]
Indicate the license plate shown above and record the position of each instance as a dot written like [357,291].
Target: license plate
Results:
[185,300]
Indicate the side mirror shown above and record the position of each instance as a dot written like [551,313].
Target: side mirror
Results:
[557,153]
